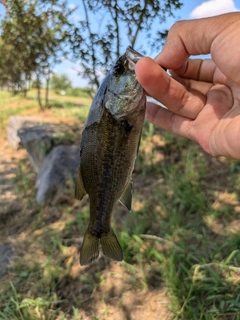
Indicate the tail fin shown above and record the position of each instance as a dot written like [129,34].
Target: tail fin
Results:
[91,245]
[111,247]
[90,249]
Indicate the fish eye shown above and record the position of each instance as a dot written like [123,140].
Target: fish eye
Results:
[118,69]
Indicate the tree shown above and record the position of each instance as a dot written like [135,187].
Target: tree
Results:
[60,82]
[120,23]
[36,33]
[9,67]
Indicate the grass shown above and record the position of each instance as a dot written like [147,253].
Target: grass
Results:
[71,109]
[84,99]
[64,108]
[181,236]
[12,105]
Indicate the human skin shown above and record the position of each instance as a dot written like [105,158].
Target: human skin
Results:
[202,96]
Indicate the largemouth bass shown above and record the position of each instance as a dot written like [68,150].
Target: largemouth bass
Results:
[108,150]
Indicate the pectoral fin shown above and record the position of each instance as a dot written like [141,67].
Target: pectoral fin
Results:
[126,198]
[79,187]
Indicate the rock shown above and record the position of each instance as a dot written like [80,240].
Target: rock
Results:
[17,122]
[6,253]
[39,140]
[59,167]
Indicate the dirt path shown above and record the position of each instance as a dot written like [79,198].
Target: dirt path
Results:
[9,201]
[9,159]
[121,302]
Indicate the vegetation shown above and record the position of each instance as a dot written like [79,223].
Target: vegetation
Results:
[60,82]
[182,236]
[64,108]
[11,105]
[80,92]
[103,40]
[34,35]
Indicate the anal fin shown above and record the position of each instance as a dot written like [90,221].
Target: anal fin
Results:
[126,198]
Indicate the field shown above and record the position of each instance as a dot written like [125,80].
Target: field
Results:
[181,240]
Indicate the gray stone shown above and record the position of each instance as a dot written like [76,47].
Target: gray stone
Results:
[59,167]
[6,253]
[14,124]
[39,140]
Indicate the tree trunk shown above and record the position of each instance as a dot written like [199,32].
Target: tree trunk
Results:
[24,89]
[114,15]
[93,53]
[39,94]
[134,37]
[47,91]
[27,85]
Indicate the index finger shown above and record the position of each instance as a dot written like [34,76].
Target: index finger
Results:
[196,69]
[168,91]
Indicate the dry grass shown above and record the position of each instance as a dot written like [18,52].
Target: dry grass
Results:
[187,267]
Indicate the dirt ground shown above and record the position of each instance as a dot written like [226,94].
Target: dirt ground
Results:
[9,201]
[113,298]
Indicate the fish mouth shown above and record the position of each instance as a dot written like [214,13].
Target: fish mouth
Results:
[132,57]
[126,62]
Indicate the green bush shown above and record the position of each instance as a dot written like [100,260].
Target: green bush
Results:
[80,92]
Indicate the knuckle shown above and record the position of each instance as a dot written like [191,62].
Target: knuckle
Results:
[177,26]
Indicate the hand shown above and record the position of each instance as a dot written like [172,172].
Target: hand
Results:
[202,96]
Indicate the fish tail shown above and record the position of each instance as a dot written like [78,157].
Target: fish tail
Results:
[110,246]
[90,248]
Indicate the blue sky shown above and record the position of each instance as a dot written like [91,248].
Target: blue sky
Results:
[190,10]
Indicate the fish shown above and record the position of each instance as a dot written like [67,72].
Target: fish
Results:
[108,149]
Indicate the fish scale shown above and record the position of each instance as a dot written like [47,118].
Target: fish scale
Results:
[108,150]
